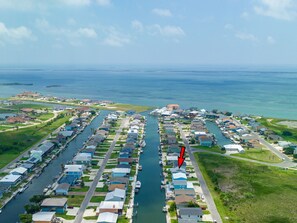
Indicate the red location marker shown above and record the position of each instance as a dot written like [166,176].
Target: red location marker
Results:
[181,158]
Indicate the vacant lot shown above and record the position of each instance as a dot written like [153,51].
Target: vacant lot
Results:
[263,155]
[247,192]
[15,142]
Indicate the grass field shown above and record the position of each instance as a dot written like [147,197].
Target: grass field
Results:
[15,142]
[260,155]
[216,149]
[248,192]
[279,129]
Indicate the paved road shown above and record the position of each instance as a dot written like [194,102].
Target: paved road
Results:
[208,198]
[91,191]
[281,165]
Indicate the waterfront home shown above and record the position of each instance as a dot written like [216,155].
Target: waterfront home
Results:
[107,217]
[188,192]
[112,187]
[171,139]
[36,156]
[132,133]
[173,148]
[184,200]
[125,160]
[105,127]
[43,149]
[205,141]
[172,107]
[187,215]
[43,217]
[116,195]
[179,184]
[119,180]
[4,188]
[83,158]
[123,166]
[62,189]
[74,170]
[57,205]
[19,171]
[66,134]
[120,172]
[234,148]
[28,166]
[111,206]
[179,176]
[10,180]
[175,164]
[197,134]
[90,150]
[177,170]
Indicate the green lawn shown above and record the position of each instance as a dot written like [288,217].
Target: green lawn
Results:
[97,199]
[249,192]
[15,142]
[216,148]
[28,105]
[260,155]
[46,116]
[75,200]
[66,217]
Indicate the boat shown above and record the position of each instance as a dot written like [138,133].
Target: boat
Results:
[136,191]
[140,167]
[164,209]
[143,144]
[160,163]
[141,151]
[0,211]
[21,190]
[163,182]
[138,185]
[45,190]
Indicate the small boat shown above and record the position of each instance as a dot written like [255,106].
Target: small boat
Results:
[138,185]
[136,191]
[45,190]
[160,162]
[21,190]
[164,209]
[0,211]
[141,151]
[140,167]
[163,182]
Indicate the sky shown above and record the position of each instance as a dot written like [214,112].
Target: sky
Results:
[148,32]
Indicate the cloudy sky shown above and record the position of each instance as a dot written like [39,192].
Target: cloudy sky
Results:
[148,32]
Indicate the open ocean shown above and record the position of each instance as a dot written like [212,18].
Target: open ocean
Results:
[269,91]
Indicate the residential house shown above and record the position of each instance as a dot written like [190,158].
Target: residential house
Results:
[120,172]
[205,141]
[10,180]
[116,195]
[43,217]
[180,184]
[57,205]
[62,189]
[83,159]
[179,176]
[233,148]
[184,200]
[107,217]
[188,215]
[19,171]
[115,207]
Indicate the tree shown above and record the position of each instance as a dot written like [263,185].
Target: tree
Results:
[172,207]
[287,133]
[26,218]
[192,204]
[32,208]
[295,156]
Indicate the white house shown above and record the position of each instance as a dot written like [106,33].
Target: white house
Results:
[234,148]
[115,207]
[179,176]
[107,217]
[19,171]
[10,180]
[43,217]
[116,195]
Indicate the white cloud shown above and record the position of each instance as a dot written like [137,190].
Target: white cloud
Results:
[14,35]
[168,31]
[137,25]
[270,40]
[87,32]
[103,2]
[116,39]
[76,2]
[70,35]
[246,36]
[278,9]
[229,26]
[162,12]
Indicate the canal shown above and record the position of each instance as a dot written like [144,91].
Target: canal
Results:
[150,198]
[10,213]
[214,129]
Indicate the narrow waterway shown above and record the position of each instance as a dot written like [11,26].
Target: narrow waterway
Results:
[10,214]
[150,198]
[214,129]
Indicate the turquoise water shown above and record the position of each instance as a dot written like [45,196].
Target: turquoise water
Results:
[214,129]
[269,91]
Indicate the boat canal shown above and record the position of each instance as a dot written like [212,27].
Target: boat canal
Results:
[214,129]
[150,198]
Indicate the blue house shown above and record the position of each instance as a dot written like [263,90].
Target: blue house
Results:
[180,184]
[205,141]
[120,172]
[57,205]
[74,170]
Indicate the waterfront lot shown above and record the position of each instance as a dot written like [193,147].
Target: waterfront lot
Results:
[248,192]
